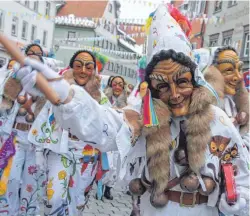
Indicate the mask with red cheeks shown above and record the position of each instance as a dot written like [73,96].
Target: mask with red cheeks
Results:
[83,68]
[173,81]
[117,86]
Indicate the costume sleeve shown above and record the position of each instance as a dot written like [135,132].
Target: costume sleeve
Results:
[100,126]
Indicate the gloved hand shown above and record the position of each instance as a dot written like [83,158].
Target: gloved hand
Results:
[28,77]
[227,209]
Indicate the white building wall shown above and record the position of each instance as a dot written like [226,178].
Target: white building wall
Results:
[12,8]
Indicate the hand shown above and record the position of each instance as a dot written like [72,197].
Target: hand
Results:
[241,118]
[227,209]
[27,77]
[43,68]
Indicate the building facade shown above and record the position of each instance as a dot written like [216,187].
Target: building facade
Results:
[27,21]
[96,28]
[194,10]
[230,28]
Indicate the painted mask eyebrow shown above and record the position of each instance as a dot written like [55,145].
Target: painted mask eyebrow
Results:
[84,63]
[230,61]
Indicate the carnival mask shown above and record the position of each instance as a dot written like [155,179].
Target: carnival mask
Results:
[35,52]
[83,68]
[11,64]
[173,81]
[230,66]
[117,86]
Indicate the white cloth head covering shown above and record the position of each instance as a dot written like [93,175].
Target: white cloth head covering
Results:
[166,33]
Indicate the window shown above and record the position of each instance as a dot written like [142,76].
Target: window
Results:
[45,35]
[125,71]
[27,4]
[24,30]
[246,42]
[112,66]
[213,40]
[2,62]
[71,36]
[117,68]
[194,45]
[107,44]
[47,9]
[217,6]
[110,8]
[232,3]
[227,38]
[14,26]
[246,45]
[114,47]
[35,7]
[33,33]
[121,69]
[1,19]
[111,46]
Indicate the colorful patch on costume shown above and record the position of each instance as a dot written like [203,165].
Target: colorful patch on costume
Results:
[218,145]
[231,154]
[172,145]
[154,43]
[104,100]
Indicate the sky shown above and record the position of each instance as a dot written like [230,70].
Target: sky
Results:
[138,8]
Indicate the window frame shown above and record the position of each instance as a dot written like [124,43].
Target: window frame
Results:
[16,26]
[213,39]
[232,3]
[47,8]
[36,6]
[25,23]
[44,43]
[110,8]
[219,8]
[2,17]
[246,34]
[227,36]
[35,33]
[27,4]
[69,38]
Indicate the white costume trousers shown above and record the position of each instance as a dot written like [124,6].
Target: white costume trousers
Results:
[24,176]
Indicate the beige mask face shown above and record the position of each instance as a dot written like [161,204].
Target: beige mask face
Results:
[173,81]
[34,52]
[230,66]
[11,64]
[117,86]
[83,68]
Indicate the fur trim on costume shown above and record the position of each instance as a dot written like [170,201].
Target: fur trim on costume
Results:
[39,105]
[241,99]
[121,100]
[12,88]
[242,104]
[213,76]
[92,87]
[159,140]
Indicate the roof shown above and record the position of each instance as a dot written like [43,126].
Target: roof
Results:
[90,8]
[71,20]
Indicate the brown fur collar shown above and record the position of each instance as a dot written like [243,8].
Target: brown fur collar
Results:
[92,87]
[121,100]
[159,140]
[241,99]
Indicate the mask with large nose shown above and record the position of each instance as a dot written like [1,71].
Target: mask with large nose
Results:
[83,68]
[230,66]
[173,82]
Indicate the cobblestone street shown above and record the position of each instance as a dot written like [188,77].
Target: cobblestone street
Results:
[120,206]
